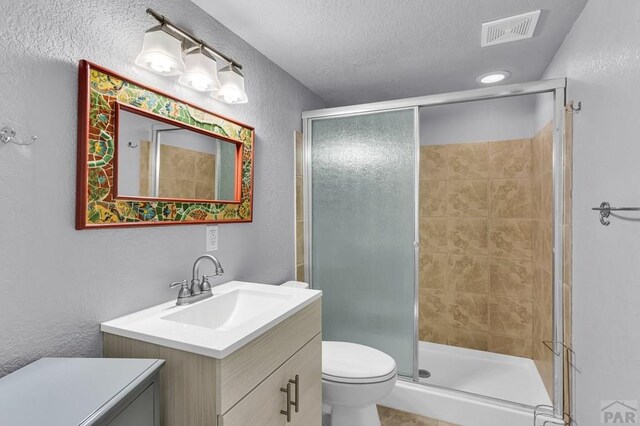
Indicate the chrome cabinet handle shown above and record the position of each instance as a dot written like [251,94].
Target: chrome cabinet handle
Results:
[296,382]
[287,412]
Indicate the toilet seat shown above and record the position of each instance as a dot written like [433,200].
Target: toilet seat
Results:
[345,362]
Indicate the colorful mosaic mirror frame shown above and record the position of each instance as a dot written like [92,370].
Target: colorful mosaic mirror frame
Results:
[98,205]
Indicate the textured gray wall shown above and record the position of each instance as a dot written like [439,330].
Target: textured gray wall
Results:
[601,58]
[57,284]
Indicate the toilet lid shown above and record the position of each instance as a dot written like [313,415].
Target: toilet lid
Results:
[353,363]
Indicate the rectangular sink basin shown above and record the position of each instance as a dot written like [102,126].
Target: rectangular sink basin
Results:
[237,313]
[229,310]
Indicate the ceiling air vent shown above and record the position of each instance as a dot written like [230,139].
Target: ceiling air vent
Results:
[514,28]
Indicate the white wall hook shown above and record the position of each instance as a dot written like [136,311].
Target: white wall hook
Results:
[7,134]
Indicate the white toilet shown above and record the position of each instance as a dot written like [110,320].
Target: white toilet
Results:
[354,378]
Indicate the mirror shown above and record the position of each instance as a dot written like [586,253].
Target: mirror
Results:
[161,160]
[147,158]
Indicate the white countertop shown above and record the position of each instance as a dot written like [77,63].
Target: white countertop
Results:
[149,325]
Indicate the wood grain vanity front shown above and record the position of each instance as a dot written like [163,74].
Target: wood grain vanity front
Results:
[245,387]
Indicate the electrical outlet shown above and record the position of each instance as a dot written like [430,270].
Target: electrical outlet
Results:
[212,238]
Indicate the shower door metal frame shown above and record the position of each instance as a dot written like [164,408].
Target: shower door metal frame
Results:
[557,87]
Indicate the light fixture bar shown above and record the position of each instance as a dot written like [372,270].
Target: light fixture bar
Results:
[186,35]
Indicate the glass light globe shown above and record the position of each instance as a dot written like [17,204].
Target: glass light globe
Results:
[161,53]
[200,72]
[231,86]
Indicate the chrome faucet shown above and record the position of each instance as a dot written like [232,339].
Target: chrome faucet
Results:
[196,286]
[199,289]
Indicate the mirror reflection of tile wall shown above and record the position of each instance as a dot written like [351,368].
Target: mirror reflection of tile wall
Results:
[145,178]
[185,173]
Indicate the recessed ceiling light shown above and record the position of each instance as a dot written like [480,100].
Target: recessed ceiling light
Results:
[493,77]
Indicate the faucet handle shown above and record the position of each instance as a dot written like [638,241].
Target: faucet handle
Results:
[206,286]
[184,289]
[177,283]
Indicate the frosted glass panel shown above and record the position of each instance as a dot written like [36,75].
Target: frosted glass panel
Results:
[363,212]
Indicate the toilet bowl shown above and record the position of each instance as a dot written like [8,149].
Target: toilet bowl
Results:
[354,378]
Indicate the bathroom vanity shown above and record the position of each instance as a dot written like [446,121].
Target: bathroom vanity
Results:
[82,391]
[250,354]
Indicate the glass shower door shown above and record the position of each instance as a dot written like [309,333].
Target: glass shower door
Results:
[363,215]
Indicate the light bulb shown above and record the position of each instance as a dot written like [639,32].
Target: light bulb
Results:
[200,83]
[230,94]
[493,77]
[160,64]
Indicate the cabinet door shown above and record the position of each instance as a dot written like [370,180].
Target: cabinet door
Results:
[307,364]
[141,412]
[262,405]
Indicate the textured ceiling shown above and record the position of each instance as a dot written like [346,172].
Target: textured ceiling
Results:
[355,51]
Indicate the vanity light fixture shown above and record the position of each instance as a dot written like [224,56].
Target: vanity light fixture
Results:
[231,86]
[200,72]
[493,77]
[162,52]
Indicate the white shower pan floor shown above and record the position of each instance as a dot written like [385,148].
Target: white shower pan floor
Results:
[504,377]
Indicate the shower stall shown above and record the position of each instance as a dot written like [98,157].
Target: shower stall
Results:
[435,227]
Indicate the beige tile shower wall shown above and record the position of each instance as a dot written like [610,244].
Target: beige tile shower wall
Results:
[476,271]
[542,149]
[299,151]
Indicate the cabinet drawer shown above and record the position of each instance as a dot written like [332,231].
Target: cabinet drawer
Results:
[244,369]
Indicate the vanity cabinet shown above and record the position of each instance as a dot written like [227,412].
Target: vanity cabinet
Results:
[245,387]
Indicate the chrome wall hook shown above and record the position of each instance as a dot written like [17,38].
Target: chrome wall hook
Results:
[606,209]
[574,110]
[605,212]
[7,134]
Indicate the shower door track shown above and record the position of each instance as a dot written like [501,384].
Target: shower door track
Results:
[557,87]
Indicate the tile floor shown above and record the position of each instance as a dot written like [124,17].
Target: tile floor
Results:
[391,417]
